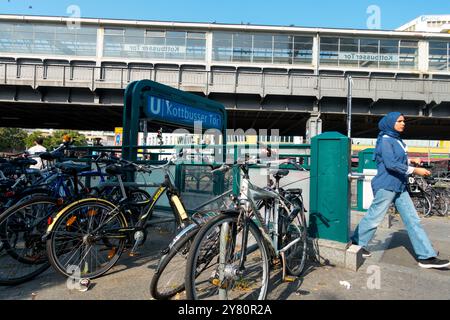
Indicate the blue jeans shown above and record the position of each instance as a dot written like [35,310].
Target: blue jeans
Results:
[377,211]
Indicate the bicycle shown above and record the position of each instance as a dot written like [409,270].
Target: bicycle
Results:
[168,279]
[90,235]
[23,225]
[231,254]
[421,199]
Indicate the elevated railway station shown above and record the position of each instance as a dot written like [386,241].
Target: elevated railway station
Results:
[59,73]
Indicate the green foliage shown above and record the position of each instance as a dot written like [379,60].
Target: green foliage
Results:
[12,140]
[17,140]
[57,138]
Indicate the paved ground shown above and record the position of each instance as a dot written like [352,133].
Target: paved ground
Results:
[392,273]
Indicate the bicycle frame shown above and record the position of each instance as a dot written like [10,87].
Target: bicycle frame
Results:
[246,202]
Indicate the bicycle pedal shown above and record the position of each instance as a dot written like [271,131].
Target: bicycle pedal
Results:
[289,279]
[134,254]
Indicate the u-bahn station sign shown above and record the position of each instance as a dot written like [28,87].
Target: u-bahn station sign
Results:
[178,113]
[372,57]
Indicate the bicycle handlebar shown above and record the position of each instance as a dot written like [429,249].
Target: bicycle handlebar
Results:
[225,168]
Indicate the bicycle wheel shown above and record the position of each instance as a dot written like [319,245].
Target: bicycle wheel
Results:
[422,205]
[169,277]
[22,226]
[85,239]
[214,269]
[295,237]
[440,204]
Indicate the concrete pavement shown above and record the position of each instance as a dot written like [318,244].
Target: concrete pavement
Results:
[391,273]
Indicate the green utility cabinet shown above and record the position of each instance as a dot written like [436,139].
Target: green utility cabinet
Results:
[368,167]
[330,187]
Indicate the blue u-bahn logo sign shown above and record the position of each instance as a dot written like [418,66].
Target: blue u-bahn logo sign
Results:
[182,114]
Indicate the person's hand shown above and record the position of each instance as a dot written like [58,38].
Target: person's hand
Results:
[422,172]
[416,161]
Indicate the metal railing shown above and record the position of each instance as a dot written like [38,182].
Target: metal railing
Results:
[239,81]
[193,174]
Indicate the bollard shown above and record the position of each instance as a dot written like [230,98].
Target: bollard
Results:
[330,187]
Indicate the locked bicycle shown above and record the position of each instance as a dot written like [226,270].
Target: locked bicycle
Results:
[231,255]
[90,235]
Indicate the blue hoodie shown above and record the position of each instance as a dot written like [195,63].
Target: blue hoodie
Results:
[391,157]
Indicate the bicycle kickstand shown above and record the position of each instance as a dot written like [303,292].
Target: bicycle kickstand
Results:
[286,277]
[138,239]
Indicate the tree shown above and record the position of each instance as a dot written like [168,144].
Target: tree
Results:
[12,140]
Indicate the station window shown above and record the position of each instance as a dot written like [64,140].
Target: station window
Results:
[262,48]
[439,57]
[369,52]
[156,44]
[52,39]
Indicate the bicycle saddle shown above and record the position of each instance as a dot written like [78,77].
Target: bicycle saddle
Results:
[295,191]
[72,168]
[119,170]
[51,156]
[280,173]
[23,162]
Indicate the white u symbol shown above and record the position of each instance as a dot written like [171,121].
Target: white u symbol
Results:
[155,105]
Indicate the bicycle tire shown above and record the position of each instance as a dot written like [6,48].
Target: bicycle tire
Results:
[204,250]
[296,255]
[25,257]
[166,269]
[422,205]
[440,204]
[83,220]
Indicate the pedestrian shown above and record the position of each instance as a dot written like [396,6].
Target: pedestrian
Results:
[37,150]
[390,186]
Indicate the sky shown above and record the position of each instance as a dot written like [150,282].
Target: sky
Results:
[318,13]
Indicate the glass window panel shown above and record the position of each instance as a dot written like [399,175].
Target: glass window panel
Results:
[133,32]
[389,43]
[23,27]
[408,57]
[38,36]
[176,48]
[44,28]
[262,48]
[196,35]
[175,34]
[222,46]
[87,31]
[369,46]
[349,45]
[303,50]
[4,27]
[439,56]
[155,41]
[283,49]
[114,31]
[196,49]
[329,51]
[242,47]
[134,40]
[405,43]
[155,33]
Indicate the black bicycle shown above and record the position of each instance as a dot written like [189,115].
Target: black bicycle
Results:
[90,235]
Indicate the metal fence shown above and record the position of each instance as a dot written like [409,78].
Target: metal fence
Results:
[240,81]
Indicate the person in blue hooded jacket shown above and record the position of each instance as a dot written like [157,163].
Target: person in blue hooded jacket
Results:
[390,186]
